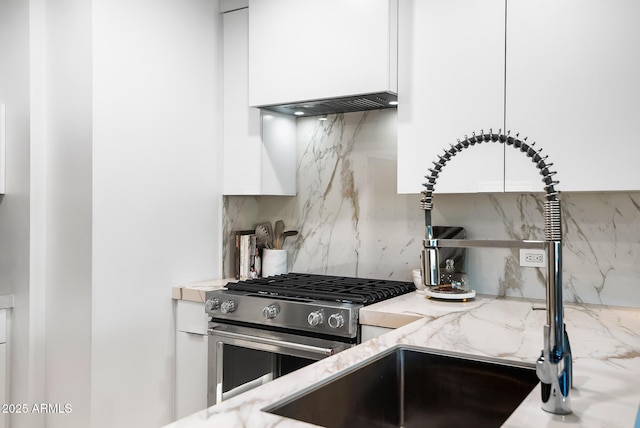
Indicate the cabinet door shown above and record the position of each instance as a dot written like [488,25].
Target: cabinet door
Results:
[191,358]
[573,85]
[191,317]
[191,373]
[3,383]
[259,150]
[242,145]
[315,49]
[4,386]
[278,163]
[450,83]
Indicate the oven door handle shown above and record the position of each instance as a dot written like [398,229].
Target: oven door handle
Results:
[282,344]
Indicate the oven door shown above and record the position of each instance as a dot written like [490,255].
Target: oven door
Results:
[242,358]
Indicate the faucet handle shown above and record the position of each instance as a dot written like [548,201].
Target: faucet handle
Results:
[430,265]
[556,376]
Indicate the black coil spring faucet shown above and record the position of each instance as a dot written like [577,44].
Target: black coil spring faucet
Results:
[554,366]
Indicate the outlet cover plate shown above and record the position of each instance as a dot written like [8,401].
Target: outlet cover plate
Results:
[532,258]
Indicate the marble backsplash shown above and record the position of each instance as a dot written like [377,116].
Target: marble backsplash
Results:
[352,222]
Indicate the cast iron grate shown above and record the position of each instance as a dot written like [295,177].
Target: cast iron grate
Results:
[325,287]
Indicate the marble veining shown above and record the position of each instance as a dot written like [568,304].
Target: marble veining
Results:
[352,221]
[605,343]
[326,172]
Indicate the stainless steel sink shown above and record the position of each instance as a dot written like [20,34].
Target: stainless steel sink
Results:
[415,387]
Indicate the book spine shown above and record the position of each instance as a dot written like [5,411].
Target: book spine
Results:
[247,256]
[238,264]
[244,257]
[237,257]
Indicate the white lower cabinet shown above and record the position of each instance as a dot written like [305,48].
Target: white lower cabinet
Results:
[191,373]
[4,384]
[191,358]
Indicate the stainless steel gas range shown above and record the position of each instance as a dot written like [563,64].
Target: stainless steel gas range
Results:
[264,328]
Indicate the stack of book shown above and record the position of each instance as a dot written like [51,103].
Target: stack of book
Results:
[245,242]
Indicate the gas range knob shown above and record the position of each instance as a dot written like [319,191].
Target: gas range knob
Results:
[315,318]
[336,320]
[212,304]
[270,311]
[228,306]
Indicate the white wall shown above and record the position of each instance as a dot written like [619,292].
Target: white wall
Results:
[67,209]
[26,379]
[113,197]
[156,194]
[37,230]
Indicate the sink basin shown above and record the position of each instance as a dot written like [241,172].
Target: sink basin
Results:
[415,387]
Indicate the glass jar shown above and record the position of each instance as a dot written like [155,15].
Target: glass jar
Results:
[452,281]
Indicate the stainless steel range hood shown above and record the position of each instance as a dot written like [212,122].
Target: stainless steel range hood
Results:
[349,104]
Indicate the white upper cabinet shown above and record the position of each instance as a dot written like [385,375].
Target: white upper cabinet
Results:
[319,49]
[573,85]
[451,83]
[259,149]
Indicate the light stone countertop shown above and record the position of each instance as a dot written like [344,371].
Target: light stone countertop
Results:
[196,291]
[605,342]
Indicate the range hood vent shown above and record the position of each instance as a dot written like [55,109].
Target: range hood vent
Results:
[365,102]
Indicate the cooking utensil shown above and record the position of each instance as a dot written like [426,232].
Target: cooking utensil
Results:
[262,236]
[270,241]
[286,234]
[278,234]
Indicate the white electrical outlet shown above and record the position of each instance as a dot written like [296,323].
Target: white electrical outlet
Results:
[532,258]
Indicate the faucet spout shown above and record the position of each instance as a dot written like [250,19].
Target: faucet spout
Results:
[554,366]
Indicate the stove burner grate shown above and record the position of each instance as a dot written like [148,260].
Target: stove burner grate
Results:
[325,287]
